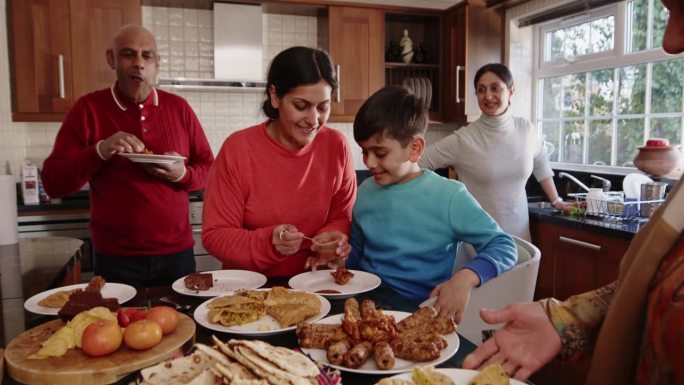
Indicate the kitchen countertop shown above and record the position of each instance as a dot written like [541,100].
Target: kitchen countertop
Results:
[625,228]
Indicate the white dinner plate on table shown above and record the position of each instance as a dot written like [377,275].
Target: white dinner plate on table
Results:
[225,282]
[151,158]
[315,281]
[631,184]
[121,292]
[264,326]
[459,376]
[400,365]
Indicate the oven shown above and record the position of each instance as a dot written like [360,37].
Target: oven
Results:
[203,260]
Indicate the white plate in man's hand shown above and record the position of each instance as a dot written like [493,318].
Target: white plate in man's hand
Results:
[151,158]
[321,282]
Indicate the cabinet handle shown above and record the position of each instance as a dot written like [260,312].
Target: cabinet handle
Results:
[60,64]
[458,82]
[583,244]
[339,84]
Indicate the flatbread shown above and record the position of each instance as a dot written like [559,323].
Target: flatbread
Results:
[268,369]
[58,299]
[290,307]
[284,358]
[192,369]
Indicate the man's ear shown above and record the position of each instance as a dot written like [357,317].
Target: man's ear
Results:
[110,58]
[417,147]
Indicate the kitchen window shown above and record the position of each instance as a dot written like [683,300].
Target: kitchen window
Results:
[604,85]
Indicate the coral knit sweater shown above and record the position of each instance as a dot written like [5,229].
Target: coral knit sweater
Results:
[256,184]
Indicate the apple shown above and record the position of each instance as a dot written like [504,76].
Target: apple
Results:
[101,338]
[657,142]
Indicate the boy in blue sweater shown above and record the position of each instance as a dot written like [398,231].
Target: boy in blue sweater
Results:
[407,222]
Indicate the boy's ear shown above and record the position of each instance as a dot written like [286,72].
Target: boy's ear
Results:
[417,147]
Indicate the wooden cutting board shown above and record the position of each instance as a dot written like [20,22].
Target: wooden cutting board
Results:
[76,368]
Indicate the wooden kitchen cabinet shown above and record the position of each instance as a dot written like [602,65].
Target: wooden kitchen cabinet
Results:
[575,260]
[473,37]
[57,52]
[356,46]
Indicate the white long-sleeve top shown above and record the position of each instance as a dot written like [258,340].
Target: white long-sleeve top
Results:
[494,156]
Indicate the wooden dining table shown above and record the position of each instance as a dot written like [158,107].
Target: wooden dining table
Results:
[383,296]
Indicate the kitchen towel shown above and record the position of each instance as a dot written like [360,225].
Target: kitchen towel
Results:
[8,210]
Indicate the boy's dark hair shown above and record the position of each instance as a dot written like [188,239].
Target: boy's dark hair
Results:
[497,69]
[294,67]
[393,111]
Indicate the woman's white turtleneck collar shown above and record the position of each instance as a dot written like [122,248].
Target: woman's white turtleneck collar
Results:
[497,122]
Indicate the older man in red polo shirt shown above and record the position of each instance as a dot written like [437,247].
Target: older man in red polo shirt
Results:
[138,212]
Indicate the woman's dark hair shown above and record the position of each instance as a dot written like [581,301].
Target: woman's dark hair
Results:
[394,111]
[497,69]
[294,67]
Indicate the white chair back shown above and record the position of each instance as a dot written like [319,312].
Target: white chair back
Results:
[513,286]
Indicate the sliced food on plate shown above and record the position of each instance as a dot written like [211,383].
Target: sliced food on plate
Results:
[363,331]
[277,309]
[492,374]
[239,362]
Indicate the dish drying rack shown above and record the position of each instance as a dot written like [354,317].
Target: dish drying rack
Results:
[613,206]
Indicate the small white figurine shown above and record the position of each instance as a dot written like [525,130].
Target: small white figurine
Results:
[406,45]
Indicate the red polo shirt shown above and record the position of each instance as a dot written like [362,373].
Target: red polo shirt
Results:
[131,212]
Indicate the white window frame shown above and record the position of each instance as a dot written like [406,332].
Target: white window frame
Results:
[618,57]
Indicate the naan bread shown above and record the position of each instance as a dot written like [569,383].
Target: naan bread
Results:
[192,370]
[286,359]
[267,369]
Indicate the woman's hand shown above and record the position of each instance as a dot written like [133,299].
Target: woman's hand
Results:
[523,345]
[286,239]
[453,295]
[341,251]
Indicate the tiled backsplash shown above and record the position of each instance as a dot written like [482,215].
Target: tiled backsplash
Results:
[185,42]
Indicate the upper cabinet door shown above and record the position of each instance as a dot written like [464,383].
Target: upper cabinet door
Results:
[356,46]
[41,57]
[474,36]
[58,52]
[93,23]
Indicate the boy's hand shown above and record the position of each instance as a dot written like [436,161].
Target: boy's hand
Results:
[453,295]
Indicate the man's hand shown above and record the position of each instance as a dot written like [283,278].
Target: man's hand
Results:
[171,172]
[526,342]
[120,142]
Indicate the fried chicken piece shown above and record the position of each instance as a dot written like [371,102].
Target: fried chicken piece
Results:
[414,351]
[384,356]
[337,350]
[316,336]
[358,355]
[418,318]
[96,284]
[342,275]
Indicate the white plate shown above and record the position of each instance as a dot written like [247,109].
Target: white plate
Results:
[459,376]
[151,158]
[631,185]
[312,281]
[252,328]
[110,290]
[225,282]
[428,91]
[400,365]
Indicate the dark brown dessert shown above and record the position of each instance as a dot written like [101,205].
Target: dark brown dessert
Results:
[87,299]
[199,281]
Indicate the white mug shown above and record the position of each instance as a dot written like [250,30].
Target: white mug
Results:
[596,200]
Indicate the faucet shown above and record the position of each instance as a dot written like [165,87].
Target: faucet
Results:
[605,183]
[572,178]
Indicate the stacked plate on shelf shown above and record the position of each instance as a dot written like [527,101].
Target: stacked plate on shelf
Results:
[421,87]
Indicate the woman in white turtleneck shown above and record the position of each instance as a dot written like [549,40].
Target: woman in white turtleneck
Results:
[495,155]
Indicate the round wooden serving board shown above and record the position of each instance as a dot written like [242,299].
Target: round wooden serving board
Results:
[76,368]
